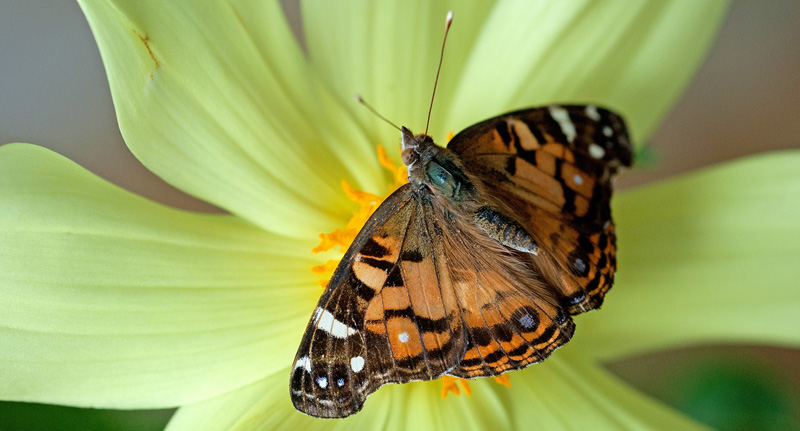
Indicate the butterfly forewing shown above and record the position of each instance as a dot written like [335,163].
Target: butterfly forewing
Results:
[553,168]
[385,316]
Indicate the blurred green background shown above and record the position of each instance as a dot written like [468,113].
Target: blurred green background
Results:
[744,100]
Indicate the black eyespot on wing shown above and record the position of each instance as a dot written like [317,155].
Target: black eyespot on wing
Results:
[579,263]
[526,318]
[560,317]
[577,298]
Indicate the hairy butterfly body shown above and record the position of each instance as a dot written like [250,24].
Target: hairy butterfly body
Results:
[475,266]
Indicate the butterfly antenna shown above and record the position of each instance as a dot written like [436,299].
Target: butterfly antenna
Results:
[364,102]
[447,21]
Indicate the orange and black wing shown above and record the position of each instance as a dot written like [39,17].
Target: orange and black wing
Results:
[385,317]
[553,166]
[510,316]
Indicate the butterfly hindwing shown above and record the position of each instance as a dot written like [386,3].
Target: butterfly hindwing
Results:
[510,332]
[510,315]
[553,167]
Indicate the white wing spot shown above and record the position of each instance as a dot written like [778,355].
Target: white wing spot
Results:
[322,382]
[403,336]
[591,111]
[562,117]
[578,179]
[607,131]
[357,363]
[580,265]
[303,362]
[527,321]
[340,382]
[329,324]
[596,151]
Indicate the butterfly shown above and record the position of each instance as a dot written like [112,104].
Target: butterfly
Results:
[475,267]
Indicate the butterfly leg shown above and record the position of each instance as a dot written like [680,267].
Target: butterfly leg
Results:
[505,230]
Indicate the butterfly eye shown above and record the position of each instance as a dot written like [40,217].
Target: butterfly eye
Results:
[409,156]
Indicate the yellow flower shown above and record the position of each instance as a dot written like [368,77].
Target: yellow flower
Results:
[109,300]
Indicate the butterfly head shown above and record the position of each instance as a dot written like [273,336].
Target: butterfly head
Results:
[415,148]
[435,168]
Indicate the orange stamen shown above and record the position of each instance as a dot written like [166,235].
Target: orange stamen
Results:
[503,380]
[368,203]
[465,386]
[449,385]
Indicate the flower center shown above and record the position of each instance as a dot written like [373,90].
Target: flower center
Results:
[368,203]
[342,238]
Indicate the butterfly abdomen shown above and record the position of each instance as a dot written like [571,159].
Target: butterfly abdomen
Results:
[506,230]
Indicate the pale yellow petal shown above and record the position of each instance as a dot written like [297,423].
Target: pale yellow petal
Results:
[216,98]
[707,258]
[109,300]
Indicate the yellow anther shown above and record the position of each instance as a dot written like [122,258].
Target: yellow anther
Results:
[328,266]
[449,136]
[465,386]
[399,172]
[449,385]
[384,159]
[359,197]
[339,237]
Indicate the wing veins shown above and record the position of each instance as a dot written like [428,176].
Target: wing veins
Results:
[405,286]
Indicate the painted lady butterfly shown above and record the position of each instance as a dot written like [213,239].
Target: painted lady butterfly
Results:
[475,266]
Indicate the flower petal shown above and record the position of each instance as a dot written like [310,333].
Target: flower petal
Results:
[109,300]
[710,257]
[576,394]
[545,396]
[388,51]
[216,98]
[263,405]
[635,58]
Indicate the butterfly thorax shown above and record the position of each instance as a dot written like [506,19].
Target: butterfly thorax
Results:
[438,174]
[436,169]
